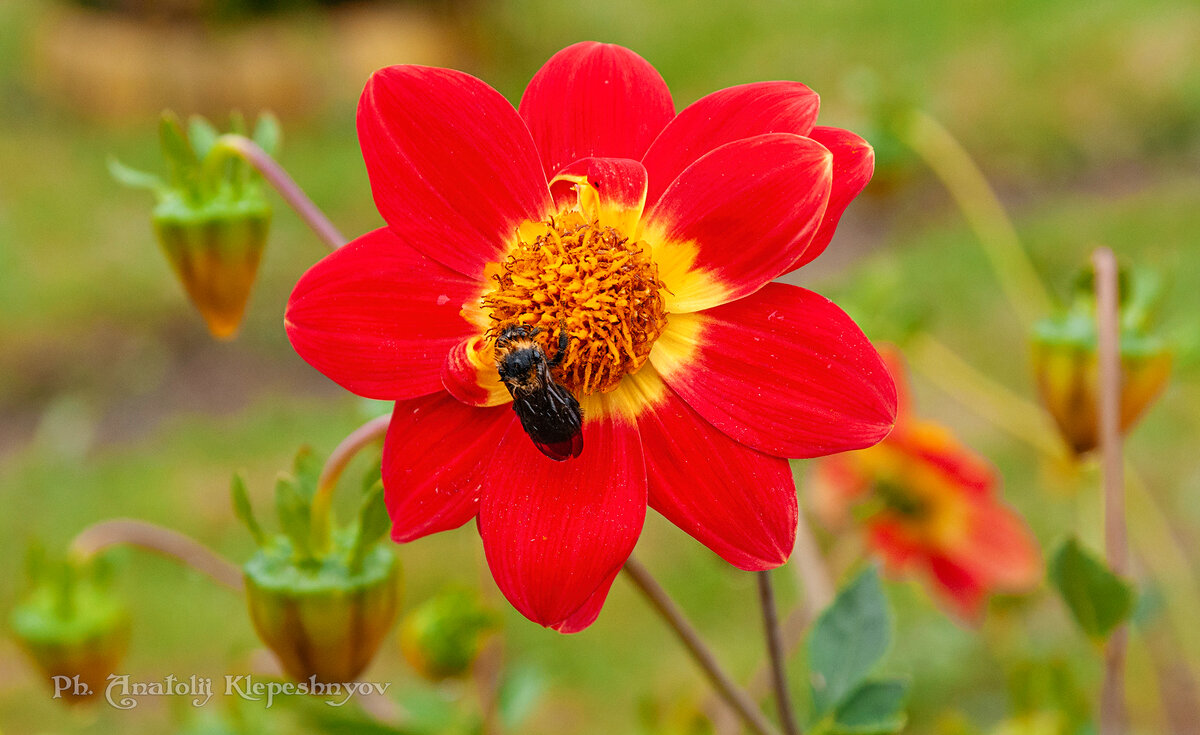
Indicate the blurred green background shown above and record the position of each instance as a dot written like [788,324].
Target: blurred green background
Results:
[1084,114]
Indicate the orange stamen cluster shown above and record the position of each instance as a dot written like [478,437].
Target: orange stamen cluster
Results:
[597,284]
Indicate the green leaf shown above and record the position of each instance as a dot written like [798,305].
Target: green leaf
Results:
[307,469]
[202,134]
[875,708]
[181,159]
[239,171]
[847,642]
[373,524]
[133,178]
[294,516]
[267,133]
[520,691]
[237,122]
[1098,599]
[242,509]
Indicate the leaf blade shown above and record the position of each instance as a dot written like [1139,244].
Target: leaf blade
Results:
[848,640]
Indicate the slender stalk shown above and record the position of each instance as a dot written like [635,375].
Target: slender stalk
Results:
[817,584]
[276,176]
[666,608]
[1112,697]
[358,439]
[998,404]
[983,211]
[171,544]
[783,697]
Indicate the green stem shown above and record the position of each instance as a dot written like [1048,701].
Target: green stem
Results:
[322,502]
[983,211]
[164,541]
[1000,405]
[245,149]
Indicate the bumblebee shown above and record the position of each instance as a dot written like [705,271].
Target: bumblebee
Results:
[549,413]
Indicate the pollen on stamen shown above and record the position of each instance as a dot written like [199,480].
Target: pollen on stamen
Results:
[592,279]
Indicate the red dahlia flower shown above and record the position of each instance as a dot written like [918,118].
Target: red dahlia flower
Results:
[652,239]
[930,505]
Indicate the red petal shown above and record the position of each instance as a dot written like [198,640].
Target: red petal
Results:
[934,445]
[434,458]
[723,117]
[595,99]
[783,371]
[1001,548]
[853,165]
[738,502]
[470,374]
[737,218]
[378,317]
[556,532]
[611,190]
[586,615]
[958,587]
[452,166]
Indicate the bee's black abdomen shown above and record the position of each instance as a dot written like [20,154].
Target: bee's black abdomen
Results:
[549,413]
[553,420]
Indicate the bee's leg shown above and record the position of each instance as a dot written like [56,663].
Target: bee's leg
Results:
[562,346]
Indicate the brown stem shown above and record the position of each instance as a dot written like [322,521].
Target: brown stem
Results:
[736,698]
[172,544]
[322,502]
[1112,698]
[287,187]
[819,591]
[783,698]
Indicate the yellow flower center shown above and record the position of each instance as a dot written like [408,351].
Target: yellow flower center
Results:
[592,281]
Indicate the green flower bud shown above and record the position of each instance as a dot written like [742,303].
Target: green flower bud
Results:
[212,217]
[321,600]
[322,620]
[1066,368]
[443,637]
[73,628]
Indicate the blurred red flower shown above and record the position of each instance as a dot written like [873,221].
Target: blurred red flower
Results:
[931,505]
[652,238]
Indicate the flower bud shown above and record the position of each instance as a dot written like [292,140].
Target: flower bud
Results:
[443,637]
[212,218]
[1066,367]
[323,621]
[321,600]
[73,628]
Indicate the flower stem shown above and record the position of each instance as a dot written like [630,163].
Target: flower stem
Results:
[164,541]
[735,697]
[1112,697]
[783,698]
[276,176]
[998,404]
[818,592]
[983,211]
[322,502]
